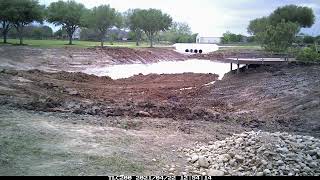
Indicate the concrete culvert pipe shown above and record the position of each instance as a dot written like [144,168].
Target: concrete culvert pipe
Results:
[187,50]
[195,51]
[200,51]
[191,50]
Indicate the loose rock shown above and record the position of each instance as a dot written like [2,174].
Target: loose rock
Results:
[213,172]
[258,154]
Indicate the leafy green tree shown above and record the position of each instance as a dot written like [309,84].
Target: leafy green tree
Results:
[154,22]
[280,37]
[181,28]
[101,19]
[308,54]
[89,34]
[5,17]
[303,16]
[60,34]
[279,30]
[24,13]
[258,25]
[317,39]
[113,37]
[229,37]
[66,14]
[134,21]
[308,40]
[179,33]
[42,32]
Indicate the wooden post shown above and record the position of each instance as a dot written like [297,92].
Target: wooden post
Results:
[238,70]
[231,66]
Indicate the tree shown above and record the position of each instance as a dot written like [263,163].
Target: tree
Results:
[258,25]
[179,33]
[317,39]
[5,17]
[279,37]
[66,14]
[279,30]
[303,16]
[40,32]
[134,21]
[60,34]
[308,40]
[154,22]
[229,37]
[89,34]
[25,12]
[102,18]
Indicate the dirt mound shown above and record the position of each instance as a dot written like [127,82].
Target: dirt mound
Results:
[79,59]
[141,55]
[153,95]
[270,98]
[79,77]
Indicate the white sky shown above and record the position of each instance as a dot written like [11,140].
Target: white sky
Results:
[209,17]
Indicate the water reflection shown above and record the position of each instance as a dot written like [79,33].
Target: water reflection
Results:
[168,67]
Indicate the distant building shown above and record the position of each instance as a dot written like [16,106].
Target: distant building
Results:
[119,34]
[77,34]
[208,39]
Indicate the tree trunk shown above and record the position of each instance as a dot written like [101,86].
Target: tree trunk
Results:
[102,36]
[70,39]
[151,39]
[5,29]
[20,31]
[151,42]
[138,37]
[21,38]
[5,34]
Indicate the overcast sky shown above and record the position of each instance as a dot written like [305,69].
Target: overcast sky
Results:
[211,17]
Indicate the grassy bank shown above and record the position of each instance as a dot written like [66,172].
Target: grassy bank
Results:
[88,44]
[241,46]
[64,43]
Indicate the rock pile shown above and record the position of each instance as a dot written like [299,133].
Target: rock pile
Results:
[257,154]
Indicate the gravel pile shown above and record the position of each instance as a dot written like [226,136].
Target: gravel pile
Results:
[257,154]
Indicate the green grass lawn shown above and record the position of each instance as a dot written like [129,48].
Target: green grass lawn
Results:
[88,44]
[64,43]
[240,47]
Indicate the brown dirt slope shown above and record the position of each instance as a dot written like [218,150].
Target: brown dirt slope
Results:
[78,59]
[271,98]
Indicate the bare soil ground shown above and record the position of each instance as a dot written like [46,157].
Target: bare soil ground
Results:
[79,59]
[39,143]
[140,121]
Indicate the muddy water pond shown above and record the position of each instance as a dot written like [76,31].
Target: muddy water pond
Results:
[168,67]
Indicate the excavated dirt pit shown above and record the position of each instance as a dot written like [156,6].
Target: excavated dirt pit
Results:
[71,117]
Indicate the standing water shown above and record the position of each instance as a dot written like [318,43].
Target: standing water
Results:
[169,67]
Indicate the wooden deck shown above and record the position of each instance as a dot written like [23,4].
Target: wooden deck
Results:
[257,61]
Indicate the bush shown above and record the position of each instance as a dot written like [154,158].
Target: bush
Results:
[278,38]
[309,55]
[308,40]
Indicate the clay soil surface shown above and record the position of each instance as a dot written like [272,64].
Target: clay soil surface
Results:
[79,59]
[63,123]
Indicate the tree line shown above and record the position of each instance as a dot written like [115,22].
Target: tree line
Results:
[16,15]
